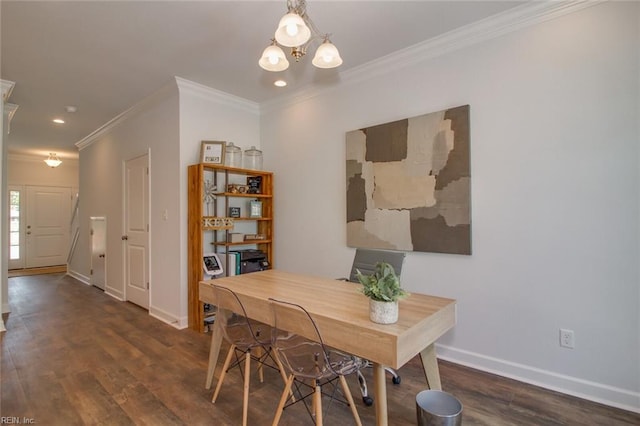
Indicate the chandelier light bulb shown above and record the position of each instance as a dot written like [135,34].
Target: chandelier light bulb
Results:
[327,56]
[273,59]
[292,31]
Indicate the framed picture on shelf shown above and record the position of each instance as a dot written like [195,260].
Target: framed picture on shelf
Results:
[255,208]
[234,211]
[212,152]
[254,184]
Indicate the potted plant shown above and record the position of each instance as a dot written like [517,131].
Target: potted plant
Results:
[383,289]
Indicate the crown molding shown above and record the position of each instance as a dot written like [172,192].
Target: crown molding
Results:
[7,88]
[153,99]
[217,96]
[182,86]
[10,111]
[512,20]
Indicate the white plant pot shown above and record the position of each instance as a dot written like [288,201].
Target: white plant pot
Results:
[383,312]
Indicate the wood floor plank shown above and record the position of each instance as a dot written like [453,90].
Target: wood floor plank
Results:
[47,400]
[18,402]
[73,355]
[92,401]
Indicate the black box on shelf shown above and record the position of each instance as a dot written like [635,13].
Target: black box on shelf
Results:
[254,185]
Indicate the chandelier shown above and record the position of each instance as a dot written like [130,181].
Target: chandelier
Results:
[53,160]
[297,31]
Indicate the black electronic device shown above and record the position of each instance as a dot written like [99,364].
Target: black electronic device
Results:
[253,260]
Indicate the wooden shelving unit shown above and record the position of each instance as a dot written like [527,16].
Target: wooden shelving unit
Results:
[206,206]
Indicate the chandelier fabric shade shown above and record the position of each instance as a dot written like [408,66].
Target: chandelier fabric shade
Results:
[53,160]
[297,31]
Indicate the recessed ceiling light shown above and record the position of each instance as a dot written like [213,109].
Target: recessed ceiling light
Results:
[280,83]
[58,120]
[71,108]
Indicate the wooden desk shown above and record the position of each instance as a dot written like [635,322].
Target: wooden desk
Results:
[342,315]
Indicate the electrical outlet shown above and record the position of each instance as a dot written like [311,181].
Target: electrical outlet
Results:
[567,339]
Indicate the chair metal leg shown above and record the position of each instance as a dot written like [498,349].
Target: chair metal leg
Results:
[368,400]
[395,378]
[364,391]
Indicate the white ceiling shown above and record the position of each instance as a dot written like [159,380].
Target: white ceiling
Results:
[104,56]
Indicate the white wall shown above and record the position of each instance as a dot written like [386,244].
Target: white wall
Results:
[555,196]
[208,114]
[4,207]
[170,125]
[149,127]
[31,170]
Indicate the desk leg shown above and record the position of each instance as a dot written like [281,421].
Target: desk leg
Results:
[214,350]
[380,384]
[430,365]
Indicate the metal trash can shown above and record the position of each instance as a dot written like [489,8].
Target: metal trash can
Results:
[437,408]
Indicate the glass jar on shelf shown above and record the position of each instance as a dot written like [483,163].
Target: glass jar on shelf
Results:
[233,156]
[253,159]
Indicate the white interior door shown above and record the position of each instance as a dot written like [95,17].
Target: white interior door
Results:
[136,234]
[98,251]
[48,213]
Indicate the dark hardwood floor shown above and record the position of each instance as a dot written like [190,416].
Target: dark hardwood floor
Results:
[74,356]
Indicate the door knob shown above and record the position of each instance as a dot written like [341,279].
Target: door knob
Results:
[125,238]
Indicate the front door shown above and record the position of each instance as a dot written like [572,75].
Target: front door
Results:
[48,213]
[136,230]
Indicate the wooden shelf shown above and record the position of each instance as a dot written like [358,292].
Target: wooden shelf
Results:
[198,174]
[237,218]
[242,195]
[241,243]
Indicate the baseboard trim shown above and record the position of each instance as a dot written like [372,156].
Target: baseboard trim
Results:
[78,276]
[168,318]
[585,389]
[114,293]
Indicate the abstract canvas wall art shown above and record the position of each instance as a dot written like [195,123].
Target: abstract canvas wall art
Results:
[409,184]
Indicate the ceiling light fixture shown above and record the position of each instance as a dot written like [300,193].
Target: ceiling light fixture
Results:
[297,31]
[58,120]
[53,160]
[280,83]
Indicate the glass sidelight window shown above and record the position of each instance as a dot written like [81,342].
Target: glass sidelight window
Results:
[14,225]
